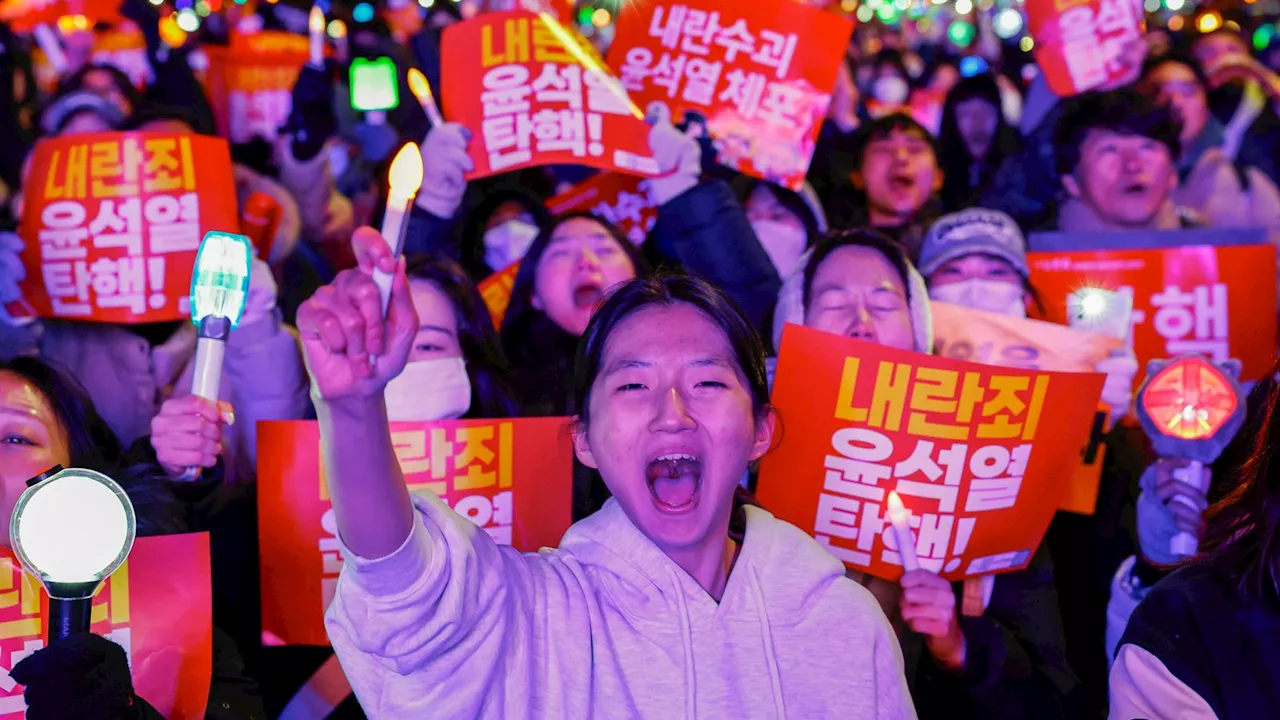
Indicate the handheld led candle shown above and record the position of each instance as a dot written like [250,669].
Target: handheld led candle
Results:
[422,90]
[405,178]
[900,519]
[315,27]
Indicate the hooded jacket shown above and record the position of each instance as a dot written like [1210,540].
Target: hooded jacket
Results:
[452,625]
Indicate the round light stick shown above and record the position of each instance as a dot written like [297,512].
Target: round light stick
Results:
[71,529]
[1190,408]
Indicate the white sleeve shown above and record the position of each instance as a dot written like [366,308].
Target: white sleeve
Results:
[1142,687]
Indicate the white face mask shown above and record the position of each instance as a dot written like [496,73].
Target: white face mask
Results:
[891,90]
[436,389]
[981,294]
[784,242]
[508,242]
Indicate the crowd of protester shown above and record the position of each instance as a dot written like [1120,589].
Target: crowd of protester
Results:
[892,216]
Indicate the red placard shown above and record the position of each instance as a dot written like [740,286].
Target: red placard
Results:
[157,606]
[513,478]
[981,455]
[24,15]
[496,289]
[112,223]
[1216,301]
[760,73]
[250,83]
[623,200]
[534,93]
[1079,43]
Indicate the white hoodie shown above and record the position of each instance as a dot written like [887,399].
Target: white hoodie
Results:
[452,625]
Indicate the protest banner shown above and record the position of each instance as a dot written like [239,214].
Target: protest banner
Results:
[1079,44]
[496,289]
[250,82]
[1216,301]
[157,606]
[963,333]
[534,93]
[743,68]
[623,200]
[955,440]
[113,222]
[513,478]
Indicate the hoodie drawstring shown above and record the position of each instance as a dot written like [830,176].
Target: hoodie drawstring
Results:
[686,637]
[770,657]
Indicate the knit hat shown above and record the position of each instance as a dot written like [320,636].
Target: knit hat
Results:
[974,231]
[790,307]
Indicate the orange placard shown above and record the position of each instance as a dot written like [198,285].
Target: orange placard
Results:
[980,455]
[24,15]
[760,74]
[511,477]
[1216,301]
[534,93]
[157,606]
[113,221]
[496,289]
[992,339]
[1079,43]
[250,83]
[623,200]
[122,49]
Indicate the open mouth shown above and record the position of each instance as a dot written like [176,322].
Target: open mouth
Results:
[587,295]
[1135,189]
[902,183]
[674,481]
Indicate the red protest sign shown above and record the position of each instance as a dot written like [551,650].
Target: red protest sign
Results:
[535,94]
[496,289]
[980,455]
[1216,301]
[113,221]
[744,67]
[250,83]
[157,606]
[1080,43]
[623,200]
[511,477]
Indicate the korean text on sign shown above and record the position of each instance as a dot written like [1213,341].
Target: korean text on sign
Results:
[759,73]
[624,200]
[1081,44]
[156,606]
[981,455]
[113,222]
[1211,301]
[536,95]
[511,478]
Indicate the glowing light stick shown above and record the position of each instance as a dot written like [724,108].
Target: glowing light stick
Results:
[1190,408]
[315,26]
[70,530]
[405,178]
[900,519]
[422,90]
[48,42]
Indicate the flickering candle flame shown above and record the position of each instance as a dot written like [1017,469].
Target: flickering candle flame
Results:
[315,23]
[900,519]
[404,178]
[422,90]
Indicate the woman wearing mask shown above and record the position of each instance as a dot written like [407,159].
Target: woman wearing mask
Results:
[649,608]
[785,222]
[975,139]
[46,419]
[986,648]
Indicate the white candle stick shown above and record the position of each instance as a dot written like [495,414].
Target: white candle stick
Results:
[405,178]
[47,39]
[315,23]
[900,519]
[421,90]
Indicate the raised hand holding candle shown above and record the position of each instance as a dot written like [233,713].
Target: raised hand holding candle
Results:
[422,91]
[900,519]
[405,178]
[315,24]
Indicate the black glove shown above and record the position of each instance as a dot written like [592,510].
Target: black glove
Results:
[84,676]
[311,122]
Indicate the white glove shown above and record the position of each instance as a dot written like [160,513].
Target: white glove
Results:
[445,164]
[679,156]
[262,293]
[1161,516]
[1117,391]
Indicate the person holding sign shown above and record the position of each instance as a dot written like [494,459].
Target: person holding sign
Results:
[46,419]
[652,598]
[961,642]
[1202,643]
